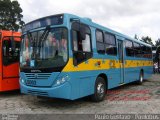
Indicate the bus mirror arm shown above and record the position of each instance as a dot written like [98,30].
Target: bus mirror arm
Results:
[82,33]
[81,28]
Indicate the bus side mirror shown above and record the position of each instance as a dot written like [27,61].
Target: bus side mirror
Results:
[82,33]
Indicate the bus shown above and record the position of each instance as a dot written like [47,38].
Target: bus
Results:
[70,57]
[9,60]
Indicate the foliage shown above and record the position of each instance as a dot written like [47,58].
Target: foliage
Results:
[147,40]
[157,43]
[136,37]
[10,15]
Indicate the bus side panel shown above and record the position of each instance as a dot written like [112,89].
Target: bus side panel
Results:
[85,86]
[83,82]
[113,76]
[11,70]
[130,74]
[10,84]
[148,71]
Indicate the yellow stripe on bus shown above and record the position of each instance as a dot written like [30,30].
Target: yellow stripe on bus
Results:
[104,64]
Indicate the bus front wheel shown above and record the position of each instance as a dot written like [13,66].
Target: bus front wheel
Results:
[99,90]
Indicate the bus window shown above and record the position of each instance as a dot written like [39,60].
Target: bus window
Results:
[86,44]
[82,49]
[148,52]
[110,44]
[100,42]
[75,40]
[9,55]
[129,49]
[137,49]
[142,50]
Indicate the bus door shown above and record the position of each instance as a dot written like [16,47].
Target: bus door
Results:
[10,57]
[121,60]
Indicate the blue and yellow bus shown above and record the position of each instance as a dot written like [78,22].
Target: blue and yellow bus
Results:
[69,57]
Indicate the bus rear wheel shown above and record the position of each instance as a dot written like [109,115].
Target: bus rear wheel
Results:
[99,90]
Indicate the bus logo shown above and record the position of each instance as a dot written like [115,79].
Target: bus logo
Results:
[36,71]
[35,76]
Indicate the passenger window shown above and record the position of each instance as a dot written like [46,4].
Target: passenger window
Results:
[129,49]
[148,52]
[110,39]
[99,36]
[110,44]
[106,43]
[100,42]
[137,49]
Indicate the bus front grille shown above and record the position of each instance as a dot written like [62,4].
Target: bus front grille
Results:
[37,76]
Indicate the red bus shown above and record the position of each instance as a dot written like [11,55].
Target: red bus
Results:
[9,60]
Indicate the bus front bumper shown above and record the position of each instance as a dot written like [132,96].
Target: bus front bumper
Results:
[62,91]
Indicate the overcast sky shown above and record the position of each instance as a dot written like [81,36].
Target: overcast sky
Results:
[141,17]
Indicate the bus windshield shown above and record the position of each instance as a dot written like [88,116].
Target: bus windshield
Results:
[44,49]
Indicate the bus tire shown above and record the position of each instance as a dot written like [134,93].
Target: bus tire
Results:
[99,90]
[141,78]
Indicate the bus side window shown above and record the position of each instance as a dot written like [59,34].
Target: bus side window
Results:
[100,42]
[137,49]
[110,44]
[129,48]
[82,49]
[9,55]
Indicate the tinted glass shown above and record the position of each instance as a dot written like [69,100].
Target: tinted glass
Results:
[99,36]
[129,48]
[10,55]
[109,39]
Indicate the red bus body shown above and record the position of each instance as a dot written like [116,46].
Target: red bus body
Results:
[9,60]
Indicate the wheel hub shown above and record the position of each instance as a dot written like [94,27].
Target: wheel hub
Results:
[100,89]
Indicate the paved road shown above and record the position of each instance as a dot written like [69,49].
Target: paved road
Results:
[126,99]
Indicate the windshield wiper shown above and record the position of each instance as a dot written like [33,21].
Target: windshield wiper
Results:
[45,33]
[43,38]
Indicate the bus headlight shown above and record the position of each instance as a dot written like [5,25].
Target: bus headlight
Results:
[22,80]
[61,80]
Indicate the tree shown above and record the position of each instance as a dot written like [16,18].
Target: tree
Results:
[148,40]
[157,42]
[10,15]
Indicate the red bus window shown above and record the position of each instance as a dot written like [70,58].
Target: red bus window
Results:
[10,55]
